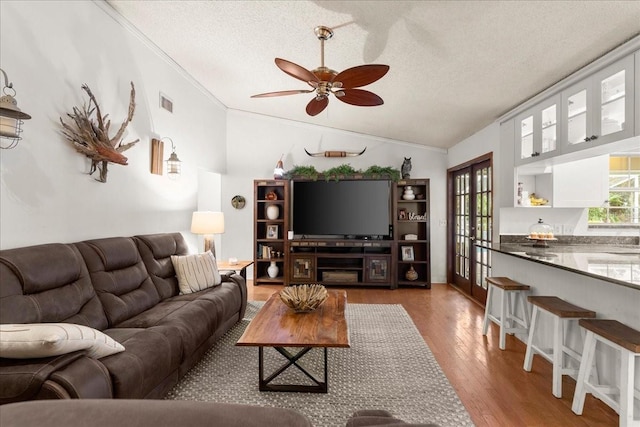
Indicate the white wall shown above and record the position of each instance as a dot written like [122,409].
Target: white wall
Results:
[255,143]
[49,49]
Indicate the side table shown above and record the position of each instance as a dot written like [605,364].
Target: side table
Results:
[240,266]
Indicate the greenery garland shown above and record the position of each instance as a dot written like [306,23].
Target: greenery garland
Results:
[310,172]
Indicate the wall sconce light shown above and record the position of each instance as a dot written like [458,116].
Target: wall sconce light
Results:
[208,223]
[173,163]
[10,115]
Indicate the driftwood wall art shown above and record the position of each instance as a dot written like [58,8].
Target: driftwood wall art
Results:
[90,136]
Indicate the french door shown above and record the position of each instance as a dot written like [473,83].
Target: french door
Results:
[470,208]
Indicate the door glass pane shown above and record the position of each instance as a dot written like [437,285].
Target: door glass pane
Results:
[526,137]
[462,225]
[549,133]
[613,106]
[483,227]
[577,114]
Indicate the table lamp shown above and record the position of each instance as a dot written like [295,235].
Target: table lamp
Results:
[208,223]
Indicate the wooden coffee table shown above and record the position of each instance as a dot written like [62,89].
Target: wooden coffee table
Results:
[278,326]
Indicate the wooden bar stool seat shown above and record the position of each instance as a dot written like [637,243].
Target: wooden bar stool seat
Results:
[562,313]
[627,341]
[512,293]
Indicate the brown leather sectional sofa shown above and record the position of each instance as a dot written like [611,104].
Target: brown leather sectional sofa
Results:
[125,287]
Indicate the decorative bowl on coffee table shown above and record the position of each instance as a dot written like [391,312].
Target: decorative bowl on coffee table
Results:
[303,298]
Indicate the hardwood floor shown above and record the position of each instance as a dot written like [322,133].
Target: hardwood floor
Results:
[490,382]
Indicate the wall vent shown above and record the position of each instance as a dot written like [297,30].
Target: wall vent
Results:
[166,103]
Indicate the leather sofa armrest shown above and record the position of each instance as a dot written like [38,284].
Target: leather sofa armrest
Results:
[72,375]
[242,285]
[22,379]
[85,378]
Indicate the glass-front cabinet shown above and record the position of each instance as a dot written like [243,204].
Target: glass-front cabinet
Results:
[599,109]
[537,131]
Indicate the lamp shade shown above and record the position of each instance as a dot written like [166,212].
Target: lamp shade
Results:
[207,222]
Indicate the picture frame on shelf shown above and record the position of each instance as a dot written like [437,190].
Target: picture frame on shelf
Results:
[272,231]
[407,253]
[402,214]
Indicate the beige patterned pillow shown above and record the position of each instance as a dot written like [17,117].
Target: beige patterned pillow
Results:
[33,340]
[196,272]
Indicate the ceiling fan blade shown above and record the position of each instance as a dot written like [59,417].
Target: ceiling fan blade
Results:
[281,93]
[360,97]
[361,75]
[317,105]
[296,71]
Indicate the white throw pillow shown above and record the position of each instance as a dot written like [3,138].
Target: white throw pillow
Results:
[33,340]
[196,272]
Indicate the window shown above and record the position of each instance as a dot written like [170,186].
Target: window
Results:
[623,208]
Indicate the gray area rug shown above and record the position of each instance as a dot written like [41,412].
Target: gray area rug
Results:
[389,366]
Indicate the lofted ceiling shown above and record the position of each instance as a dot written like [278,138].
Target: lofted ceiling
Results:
[456,66]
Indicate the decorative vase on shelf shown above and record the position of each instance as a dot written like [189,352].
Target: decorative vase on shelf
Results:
[408,193]
[273,212]
[271,195]
[411,274]
[273,270]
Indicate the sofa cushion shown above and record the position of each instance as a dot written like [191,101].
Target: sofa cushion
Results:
[196,272]
[48,283]
[119,277]
[33,340]
[152,355]
[155,251]
[226,300]
[146,413]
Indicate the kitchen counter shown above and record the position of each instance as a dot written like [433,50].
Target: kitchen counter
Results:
[603,276]
[618,264]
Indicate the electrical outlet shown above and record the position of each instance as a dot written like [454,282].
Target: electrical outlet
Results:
[557,229]
[568,230]
[443,223]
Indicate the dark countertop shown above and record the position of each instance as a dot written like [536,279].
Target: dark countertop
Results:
[619,264]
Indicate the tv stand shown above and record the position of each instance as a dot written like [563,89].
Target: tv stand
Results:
[402,259]
[344,262]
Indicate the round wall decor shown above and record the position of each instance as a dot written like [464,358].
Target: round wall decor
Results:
[238,202]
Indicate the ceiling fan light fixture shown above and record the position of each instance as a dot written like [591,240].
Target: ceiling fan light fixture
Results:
[325,81]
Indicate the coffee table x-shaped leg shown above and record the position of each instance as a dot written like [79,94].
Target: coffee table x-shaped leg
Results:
[292,360]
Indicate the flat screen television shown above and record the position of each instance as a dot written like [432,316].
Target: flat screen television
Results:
[342,209]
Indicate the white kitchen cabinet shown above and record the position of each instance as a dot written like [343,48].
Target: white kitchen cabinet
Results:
[581,184]
[537,131]
[599,109]
[577,184]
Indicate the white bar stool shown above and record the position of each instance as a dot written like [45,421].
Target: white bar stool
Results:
[562,313]
[624,339]
[512,293]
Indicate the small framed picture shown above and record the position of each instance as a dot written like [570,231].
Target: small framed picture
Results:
[272,231]
[402,214]
[407,253]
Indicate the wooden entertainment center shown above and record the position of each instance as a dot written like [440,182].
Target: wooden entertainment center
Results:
[402,259]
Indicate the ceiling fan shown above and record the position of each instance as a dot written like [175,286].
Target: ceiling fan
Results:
[325,81]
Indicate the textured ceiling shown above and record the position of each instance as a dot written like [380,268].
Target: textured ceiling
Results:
[456,66]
